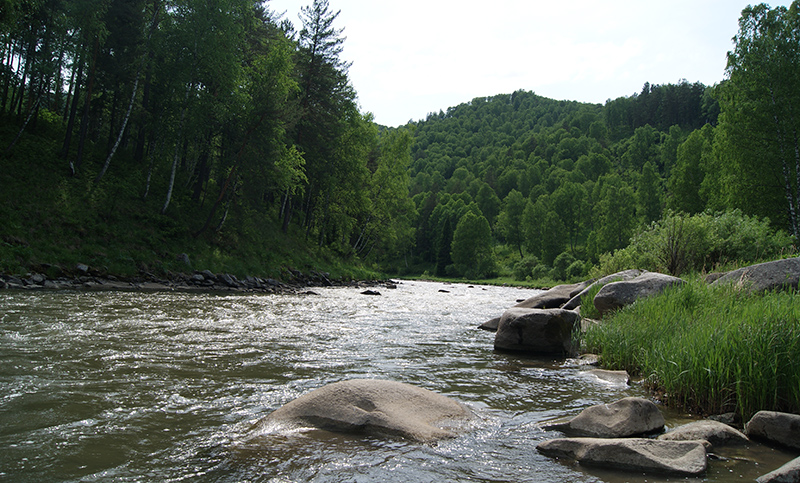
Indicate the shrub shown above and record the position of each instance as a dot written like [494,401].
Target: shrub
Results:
[560,265]
[524,268]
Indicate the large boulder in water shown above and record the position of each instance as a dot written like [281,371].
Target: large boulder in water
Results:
[616,295]
[633,454]
[536,331]
[788,473]
[629,416]
[769,276]
[775,427]
[372,406]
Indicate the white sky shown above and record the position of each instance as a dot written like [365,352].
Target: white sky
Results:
[413,57]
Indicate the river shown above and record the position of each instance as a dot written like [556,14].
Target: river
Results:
[157,387]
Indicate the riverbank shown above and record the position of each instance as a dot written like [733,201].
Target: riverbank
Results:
[85,278]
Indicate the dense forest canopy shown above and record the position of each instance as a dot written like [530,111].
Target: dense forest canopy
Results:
[219,121]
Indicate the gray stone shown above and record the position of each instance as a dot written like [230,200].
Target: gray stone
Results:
[686,458]
[554,297]
[184,258]
[770,276]
[575,301]
[716,433]
[537,331]
[621,378]
[372,406]
[616,295]
[774,427]
[490,325]
[788,473]
[38,278]
[228,280]
[82,268]
[629,416]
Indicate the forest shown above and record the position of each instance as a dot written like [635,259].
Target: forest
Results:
[136,130]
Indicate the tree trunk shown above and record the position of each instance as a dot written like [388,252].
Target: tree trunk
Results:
[121,131]
[87,104]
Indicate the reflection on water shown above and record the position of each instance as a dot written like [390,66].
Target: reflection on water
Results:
[164,387]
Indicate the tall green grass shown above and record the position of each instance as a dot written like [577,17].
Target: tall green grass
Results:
[709,349]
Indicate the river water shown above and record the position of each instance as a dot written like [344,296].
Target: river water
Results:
[157,387]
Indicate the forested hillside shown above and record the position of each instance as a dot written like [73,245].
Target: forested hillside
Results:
[559,184]
[136,130]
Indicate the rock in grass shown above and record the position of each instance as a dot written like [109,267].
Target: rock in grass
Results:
[575,301]
[634,454]
[616,295]
[788,473]
[371,406]
[629,416]
[554,297]
[770,276]
[536,331]
[716,433]
[775,427]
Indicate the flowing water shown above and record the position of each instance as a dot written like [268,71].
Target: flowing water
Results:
[154,387]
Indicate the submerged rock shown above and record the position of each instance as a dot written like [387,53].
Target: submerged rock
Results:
[634,454]
[775,427]
[629,416]
[788,473]
[715,432]
[372,406]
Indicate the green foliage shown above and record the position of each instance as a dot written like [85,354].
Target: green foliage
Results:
[472,246]
[523,269]
[709,349]
[680,243]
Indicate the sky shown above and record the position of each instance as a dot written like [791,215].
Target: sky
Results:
[413,57]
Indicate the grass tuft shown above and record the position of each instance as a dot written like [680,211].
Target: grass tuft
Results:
[709,349]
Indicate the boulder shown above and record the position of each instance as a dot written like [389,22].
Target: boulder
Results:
[553,298]
[774,427]
[490,325]
[616,295]
[575,301]
[372,406]
[769,276]
[629,416]
[536,331]
[621,378]
[685,458]
[716,433]
[788,473]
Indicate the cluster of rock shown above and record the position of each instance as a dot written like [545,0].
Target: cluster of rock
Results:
[84,277]
[619,435]
[545,323]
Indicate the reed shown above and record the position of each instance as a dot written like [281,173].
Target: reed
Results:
[709,349]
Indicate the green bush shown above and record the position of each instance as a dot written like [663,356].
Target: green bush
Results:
[560,265]
[524,268]
[680,243]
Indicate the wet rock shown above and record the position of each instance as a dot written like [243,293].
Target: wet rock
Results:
[372,406]
[554,297]
[370,292]
[770,276]
[788,473]
[537,331]
[775,427]
[490,325]
[716,433]
[38,278]
[621,378]
[616,295]
[634,454]
[629,416]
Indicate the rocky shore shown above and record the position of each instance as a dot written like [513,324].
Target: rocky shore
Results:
[83,277]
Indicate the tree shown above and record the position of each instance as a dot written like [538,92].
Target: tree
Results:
[509,222]
[648,195]
[687,177]
[760,115]
[472,246]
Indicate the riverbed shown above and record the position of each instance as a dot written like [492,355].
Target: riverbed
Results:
[164,386]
